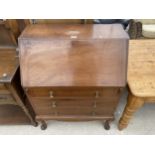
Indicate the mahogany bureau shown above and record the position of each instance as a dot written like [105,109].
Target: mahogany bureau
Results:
[73,72]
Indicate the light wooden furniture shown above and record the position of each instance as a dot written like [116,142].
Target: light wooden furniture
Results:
[73,72]
[141,77]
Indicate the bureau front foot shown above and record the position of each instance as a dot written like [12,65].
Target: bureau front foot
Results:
[35,124]
[107,125]
[43,125]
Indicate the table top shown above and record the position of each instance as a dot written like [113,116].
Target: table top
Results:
[73,55]
[141,67]
[9,63]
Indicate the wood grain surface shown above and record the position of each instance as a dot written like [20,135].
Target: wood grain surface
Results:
[141,78]
[9,64]
[13,108]
[73,72]
[73,55]
[141,68]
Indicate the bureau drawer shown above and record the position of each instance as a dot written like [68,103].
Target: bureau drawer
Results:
[3,89]
[6,99]
[46,106]
[73,93]
[74,111]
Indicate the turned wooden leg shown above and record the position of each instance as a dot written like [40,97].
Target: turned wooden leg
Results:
[43,125]
[134,103]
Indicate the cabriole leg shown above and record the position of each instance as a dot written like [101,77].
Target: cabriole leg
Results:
[43,125]
[107,125]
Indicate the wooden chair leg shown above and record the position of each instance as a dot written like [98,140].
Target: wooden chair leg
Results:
[134,103]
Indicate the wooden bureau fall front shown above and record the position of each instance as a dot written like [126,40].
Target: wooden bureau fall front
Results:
[73,72]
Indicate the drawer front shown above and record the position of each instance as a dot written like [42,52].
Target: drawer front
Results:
[75,112]
[73,107]
[76,93]
[6,99]
[3,89]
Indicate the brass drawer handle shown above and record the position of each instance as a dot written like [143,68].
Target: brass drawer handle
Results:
[51,94]
[96,94]
[54,104]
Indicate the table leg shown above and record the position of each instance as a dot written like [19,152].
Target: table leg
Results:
[134,103]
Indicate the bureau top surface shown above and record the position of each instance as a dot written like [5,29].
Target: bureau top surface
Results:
[73,55]
[72,31]
[141,67]
[8,64]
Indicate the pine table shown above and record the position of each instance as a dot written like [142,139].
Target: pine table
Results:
[141,78]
